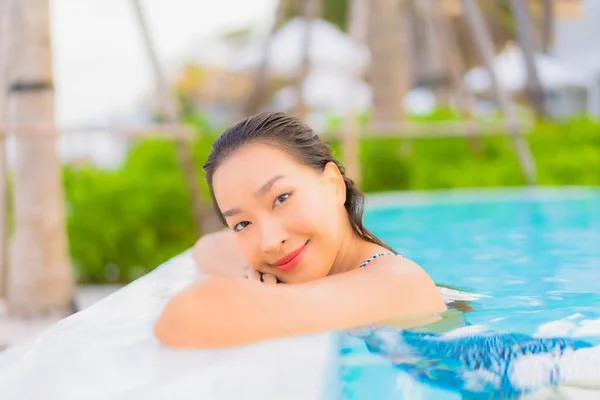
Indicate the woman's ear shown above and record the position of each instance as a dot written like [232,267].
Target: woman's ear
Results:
[334,177]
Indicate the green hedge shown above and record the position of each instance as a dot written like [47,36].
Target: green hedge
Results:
[124,222]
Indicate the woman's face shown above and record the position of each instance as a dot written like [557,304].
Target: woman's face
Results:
[289,218]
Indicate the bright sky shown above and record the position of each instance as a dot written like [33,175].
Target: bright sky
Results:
[100,66]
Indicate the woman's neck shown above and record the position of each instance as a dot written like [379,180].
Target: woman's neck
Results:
[352,252]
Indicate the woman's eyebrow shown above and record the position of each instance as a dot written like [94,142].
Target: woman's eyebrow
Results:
[231,212]
[268,184]
[260,192]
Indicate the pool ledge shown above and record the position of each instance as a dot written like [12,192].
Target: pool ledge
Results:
[477,195]
[108,351]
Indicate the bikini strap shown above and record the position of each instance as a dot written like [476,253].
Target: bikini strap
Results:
[374,256]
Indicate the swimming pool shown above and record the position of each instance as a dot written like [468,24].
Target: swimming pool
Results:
[533,254]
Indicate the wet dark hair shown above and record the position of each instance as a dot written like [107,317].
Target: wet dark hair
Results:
[297,139]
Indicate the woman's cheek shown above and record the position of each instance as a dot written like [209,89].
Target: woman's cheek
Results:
[305,215]
[250,249]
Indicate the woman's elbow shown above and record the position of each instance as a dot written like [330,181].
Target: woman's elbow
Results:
[164,334]
[178,335]
[182,325]
[191,320]
[170,329]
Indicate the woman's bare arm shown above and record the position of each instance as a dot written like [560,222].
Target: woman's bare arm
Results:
[218,254]
[218,312]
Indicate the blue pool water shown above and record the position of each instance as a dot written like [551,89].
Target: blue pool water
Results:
[534,254]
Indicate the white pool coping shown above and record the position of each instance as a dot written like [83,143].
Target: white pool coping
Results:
[107,351]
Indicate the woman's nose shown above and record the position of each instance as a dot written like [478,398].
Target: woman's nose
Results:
[273,235]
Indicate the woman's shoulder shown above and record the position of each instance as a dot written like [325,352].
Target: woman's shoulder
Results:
[453,297]
[395,264]
[397,269]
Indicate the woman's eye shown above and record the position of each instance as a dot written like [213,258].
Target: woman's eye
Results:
[280,199]
[240,225]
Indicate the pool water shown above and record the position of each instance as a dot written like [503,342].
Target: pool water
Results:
[533,255]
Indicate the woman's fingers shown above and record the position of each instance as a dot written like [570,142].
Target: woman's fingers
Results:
[270,279]
[253,275]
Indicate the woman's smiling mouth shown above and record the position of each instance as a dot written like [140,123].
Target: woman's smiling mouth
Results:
[291,260]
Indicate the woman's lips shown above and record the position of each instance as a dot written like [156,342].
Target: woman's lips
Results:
[291,260]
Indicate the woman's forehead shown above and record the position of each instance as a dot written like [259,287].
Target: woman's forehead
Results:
[252,166]
[258,158]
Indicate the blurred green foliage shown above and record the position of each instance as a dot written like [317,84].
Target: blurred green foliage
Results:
[122,222]
[334,11]
[126,221]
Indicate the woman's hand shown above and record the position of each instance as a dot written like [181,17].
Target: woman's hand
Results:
[254,275]
[218,254]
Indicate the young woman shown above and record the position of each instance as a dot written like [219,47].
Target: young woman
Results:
[293,217]
[295,231]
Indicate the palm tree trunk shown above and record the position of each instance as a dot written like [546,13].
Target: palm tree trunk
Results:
[6,11]
[434,64]
[40,278]
[547,25]
[259,90]
[311,12]
[414,41]
[485,48]
[449,44]
[204,220]
[357,26]
[523,22]
[390,76]
[493,17]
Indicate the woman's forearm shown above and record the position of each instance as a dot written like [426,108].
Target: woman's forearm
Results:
[220,312]
[214,313]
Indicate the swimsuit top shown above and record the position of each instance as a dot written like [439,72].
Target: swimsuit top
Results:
[374,256]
